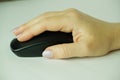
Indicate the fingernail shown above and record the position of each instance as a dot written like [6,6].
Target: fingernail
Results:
[14,30]
[47,54]
[18,35]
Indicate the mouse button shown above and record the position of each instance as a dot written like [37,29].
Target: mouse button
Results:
[31,51]
[15,44]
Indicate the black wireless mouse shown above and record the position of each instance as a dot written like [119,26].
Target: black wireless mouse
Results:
[35,46]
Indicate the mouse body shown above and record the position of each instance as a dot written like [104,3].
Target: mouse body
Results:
[35,46]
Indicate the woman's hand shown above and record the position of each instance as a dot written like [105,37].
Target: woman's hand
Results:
[92,37]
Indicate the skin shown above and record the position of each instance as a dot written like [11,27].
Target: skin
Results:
[92,37]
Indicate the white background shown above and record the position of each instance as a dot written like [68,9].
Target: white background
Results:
[15,13]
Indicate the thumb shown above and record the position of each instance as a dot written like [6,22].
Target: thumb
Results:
[64,51]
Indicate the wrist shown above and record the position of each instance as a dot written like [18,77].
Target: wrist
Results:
[115,33]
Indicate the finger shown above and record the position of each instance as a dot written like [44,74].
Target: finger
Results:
[29,33]
[19,30]
[25,26]
[65,51]
[32,22]
[49,24]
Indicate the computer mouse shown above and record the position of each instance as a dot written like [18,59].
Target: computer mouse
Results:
[35,46]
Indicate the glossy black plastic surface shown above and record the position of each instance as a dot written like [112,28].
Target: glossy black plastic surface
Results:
[35,46]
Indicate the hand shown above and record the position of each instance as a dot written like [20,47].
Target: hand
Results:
[92,37]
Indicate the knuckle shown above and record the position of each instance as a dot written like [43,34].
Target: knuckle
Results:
[65,51]
[72,12]
[32,32]
[59,50]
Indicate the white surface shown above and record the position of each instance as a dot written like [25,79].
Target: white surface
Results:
[13,14]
